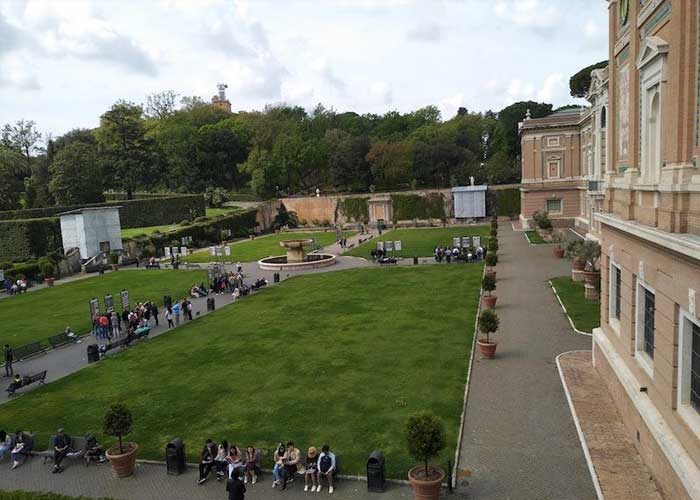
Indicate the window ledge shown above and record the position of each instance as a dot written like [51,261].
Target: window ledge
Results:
[691,417]
[645,362]
[614,325]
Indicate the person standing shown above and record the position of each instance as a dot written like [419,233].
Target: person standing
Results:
[176,312]
[115,324]
[235,487]
[9,358]
[169,317]
[154,311]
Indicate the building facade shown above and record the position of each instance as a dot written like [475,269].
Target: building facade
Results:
[648,346]
[564,158]
[91,230]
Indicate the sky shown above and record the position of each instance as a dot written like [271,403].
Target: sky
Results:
[65,62]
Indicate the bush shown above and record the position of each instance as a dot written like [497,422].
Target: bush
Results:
[491,259]
[117,423]
[215,197]
[413,206]
[493,232]
[22,239]
[542,220]
[114,257]
[488,323]
[425,437]
[47,269]
[488,283]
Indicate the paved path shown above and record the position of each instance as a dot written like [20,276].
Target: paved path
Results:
[621,472]
[519,439]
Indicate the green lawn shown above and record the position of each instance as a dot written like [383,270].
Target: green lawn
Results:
[37,315]
[265,246]
[420,242]
[25,495]
[535,238]
[214,212]
[211,212]
[584,313]
[340,358]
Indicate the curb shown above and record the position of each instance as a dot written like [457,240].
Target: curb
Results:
[566,313]
[579,431]
[466,388]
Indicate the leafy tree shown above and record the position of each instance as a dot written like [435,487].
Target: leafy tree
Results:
[10,186]
[507,134]
[75,175]
[347,163]
[22,136]
[501,169]
[161,104]
[581,81]
[391,163]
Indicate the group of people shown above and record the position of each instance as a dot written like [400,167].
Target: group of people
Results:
[16,287]
[241,467]
[175,310]
[18,445]
[227,282]
[448,254]
[111,324]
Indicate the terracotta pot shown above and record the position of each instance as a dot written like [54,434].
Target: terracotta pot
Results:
[490,301]
[426,489]
[491,272]
[578,264]
[49,281]
[558,252]
[115,267]
[123,464]
[488,350]
[590,277]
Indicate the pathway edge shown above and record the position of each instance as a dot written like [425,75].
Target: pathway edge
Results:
[571,322]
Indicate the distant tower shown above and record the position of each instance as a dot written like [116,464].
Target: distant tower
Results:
[220,100]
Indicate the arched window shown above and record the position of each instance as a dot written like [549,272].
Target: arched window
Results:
[603,117]
[654,138]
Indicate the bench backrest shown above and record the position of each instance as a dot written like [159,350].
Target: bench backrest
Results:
[77,443]
[27,350]
[37,376]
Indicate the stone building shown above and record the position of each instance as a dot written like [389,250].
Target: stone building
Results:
[648,346]
[91,230]
[564,156]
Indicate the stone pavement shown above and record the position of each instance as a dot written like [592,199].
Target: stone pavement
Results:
[150,482]
[519,440]
[621,473]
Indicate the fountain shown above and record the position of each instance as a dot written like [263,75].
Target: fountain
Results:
[296,258]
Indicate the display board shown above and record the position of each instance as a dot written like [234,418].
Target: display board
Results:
[94,308]
[109,302]
[124,297]
[398,245]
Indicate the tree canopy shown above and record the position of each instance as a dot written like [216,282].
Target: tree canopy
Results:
[581,81]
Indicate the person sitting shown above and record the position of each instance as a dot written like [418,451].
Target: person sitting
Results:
[234,459]
[21,448]
[279,459]
[293,455]
[311,470]
[326,468]
[61,445]
[195,292]
[235,487]
[5,444]
[70,333]
[236,294]
[16,384]
[93,450]
[206,461]
[220,460]
[252,464]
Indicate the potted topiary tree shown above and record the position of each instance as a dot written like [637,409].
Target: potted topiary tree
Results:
[494,231]
[117,423]
[488,285]
[425,437]
[488,324]
[48,271]
[114,260]
[492,244]
[491,261]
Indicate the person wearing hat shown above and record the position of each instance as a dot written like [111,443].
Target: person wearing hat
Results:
[311,470]
[93,450]
[61,443]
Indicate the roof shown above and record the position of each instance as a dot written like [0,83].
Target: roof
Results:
[460,189]
[569,117]
[89,209]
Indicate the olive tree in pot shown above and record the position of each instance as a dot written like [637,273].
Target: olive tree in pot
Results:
[488,285]
[572,250]
[589,252]
[491,261]
[425,437]
[48,271]
[114,260]
[117,423]
[488,324]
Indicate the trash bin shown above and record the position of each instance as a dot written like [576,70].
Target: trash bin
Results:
[175,457]
[376,472]
[415,260]
[93,353]
[276,277]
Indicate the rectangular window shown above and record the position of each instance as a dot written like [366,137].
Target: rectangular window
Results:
[554,169]
[552,142]
[553,206]
[615,291]
[649,311]
[695,368]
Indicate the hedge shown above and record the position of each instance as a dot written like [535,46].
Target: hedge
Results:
[28,238]
[354,209]
[26,495]
[504,202]
[133,213]
[204,233]
[413,206]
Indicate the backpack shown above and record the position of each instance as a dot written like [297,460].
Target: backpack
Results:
[325,463]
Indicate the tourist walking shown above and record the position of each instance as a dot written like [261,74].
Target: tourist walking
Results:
[9,358]
[169,317]
[176,312]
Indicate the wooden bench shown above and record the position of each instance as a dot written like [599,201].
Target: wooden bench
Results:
[28,380]
[139,333]
[28,350]
[62,339]
[388,261]
[76,448]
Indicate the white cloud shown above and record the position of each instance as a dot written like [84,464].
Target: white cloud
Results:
[539,15]
[430,32]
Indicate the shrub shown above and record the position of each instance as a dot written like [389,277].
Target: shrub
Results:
[215,197]
[488,283]
[491,259]
[47,269]
[425,437]
[542,220]
[117,423]
[114,257]
[413,206]
[493,232]
[488,323]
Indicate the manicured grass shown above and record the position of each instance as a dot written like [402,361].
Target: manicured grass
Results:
[26,495]
[584,313]
[340,358]
[138,231]
[535,238]
[213,212]
[37,315]
[420,242]
[265,246]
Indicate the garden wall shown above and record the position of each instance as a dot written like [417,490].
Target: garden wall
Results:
[152,211]
[29,238]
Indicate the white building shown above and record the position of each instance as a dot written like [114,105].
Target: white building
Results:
[91,230]
[469,202]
